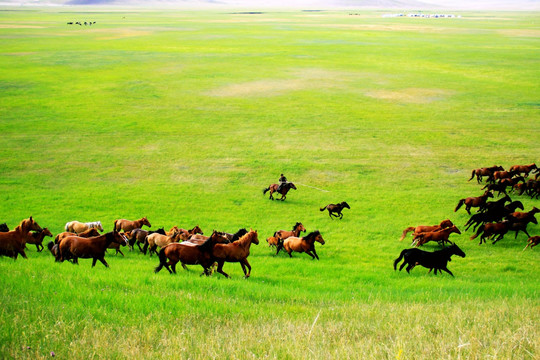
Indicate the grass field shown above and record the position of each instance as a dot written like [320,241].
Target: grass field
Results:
[185,116]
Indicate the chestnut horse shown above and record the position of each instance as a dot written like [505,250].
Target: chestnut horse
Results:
[12,242]
[283,191]
[198,239]
[237,251]
[335,208]
[86,234]
[283,234]
[75,247]
[79,227]
[426,228]
[272,241]
[128,225]
[302,244]
[36,238]
[441,236]
[532,242]
[185,234]
[489,230]
[474,201]
[479,173]
[523,169]
[188,253]
[138,236]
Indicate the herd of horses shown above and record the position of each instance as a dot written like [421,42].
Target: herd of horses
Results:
[492,220]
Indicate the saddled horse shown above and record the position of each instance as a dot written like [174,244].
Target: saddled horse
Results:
[12,242]
[336,208]
[138,236]
[75,247]
[128,225]
[79,227]
[426,228]
[302,244]
[188,254]
[36,238]
[88,233]
[283,234]
[474,201]
[237,251]
[441,236]
[488,171]
[283,191]
[437,260]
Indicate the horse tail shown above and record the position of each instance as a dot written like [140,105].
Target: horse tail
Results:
[50,246]
[114,228]
[461,202]
[399,259]
[162,260]
[279,246]
[411,228]
[265,190]
[323,208]
[478,232]
[472,176]
[67,226]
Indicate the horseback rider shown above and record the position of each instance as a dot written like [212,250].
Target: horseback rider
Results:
[282,181]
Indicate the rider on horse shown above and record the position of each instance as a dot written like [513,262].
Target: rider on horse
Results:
[282,181]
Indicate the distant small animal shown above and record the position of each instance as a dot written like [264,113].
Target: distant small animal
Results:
[488,171]
[283,191]
[523,169]
[437,260]
[127,225]
[336,208]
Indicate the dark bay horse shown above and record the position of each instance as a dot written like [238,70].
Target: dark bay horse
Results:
[336,208]
[237,251]
[88,233]
[532,242]
[426,228]
[437,260]
[284,190]
[283,234]
[523,169]
[12,242]
[36,238]
[188,253]
[488,171]
[302,244]
[75,247]
[128,225]
[474,201]
[185,234]
[138,236]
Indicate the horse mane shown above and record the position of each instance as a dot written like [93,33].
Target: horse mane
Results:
[311,235]
[208,244]
[296,225]
[239,233]
[249,233]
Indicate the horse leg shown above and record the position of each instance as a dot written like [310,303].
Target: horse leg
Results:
[184,266]
[220,268]
[119,251]
[173,266]
[249,268]
[94,260]
[244,263]
[448,271]
[330,214]
[310,254]
[102,259]
[409,268]
[315,253]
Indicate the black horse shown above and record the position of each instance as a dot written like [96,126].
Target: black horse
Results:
[283,191]
[237,235]
[437,260]
[336,208]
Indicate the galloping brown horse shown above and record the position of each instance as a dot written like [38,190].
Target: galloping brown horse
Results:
[532,242]
[523,169]
[283,234]
[188,253]
[75,247]
[441,236]
[426,228]
[473,201]
[86,234]
[12,242]
[237,251]
[489,230]
[302,244]
[128,225]
[185,234]
[36,238]
[283,191]
[155,240]
[336,208]
[488,171]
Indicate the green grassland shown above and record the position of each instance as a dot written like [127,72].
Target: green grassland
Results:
[185,116]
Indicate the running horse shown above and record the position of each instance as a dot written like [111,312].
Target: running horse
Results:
[523,169]
[283,191]
[79,227]
[283,234]
[425,228]
[478,201]
[441,236]
[12,243]
[74,247]
[36,238]
[437,260]
[128,225]
[488,171]
[336,208]
[237,251]
[302,244]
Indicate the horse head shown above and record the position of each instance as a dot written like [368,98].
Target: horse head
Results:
[456,250]
[455,229]
[291,186]
[47,232]
[119,238]
[446,223]
[299,226]
[254,236]
[345,205]
[99,226]
[146,222]
[197,230]
[30,224]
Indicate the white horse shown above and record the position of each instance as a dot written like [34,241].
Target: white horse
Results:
[79,227]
